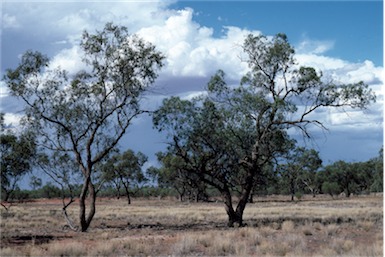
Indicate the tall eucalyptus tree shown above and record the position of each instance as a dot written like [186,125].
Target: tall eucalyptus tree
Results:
[88,113]
[229,136]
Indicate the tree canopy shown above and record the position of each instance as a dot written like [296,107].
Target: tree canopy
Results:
[17,153]
[88,113]
[229,136]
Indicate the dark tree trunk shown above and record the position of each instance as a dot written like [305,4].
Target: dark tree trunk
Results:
[127,193]
[229,208]
[5,195]
[244,197]
[181,193]
[128,198]
[236,216]
[180,197]
[251,198]
[85,220]
[292,189]
[118,186]
[348,191]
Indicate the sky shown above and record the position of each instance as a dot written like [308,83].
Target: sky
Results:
[342,39]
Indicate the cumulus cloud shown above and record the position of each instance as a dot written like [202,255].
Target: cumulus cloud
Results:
[69,60]
[309,46]
[66,20]
[343,72]
[191,49]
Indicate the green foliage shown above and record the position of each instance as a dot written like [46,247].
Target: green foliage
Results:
[378,163]
[17,153]
[35,182]
[228,137]
[299,170]
[125,169]
[356,177]
[86,114]
[172,175]
[331,188]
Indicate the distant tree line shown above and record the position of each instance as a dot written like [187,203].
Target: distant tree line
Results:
[293,179]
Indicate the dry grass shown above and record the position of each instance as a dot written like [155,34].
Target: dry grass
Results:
[320,227]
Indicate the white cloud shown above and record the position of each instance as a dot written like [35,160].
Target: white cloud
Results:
[12,120]
[353,119]
[319,61]
[191,49]
[342,71]
[365,71]
[309,46]
[69,60]
[66,20]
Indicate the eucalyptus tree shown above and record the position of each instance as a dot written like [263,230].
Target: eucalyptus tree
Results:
[378,162]
[87,113]
[171,174]
[299,170]
[125,169]
[234,132]
[17,152]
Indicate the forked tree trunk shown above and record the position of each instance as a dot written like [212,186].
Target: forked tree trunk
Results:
[244,199]
[237,215]
[85,219]
[127,193]
[234,216]
[229,208]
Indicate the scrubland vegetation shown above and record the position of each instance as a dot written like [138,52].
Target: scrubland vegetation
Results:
[225,147]
[274,226]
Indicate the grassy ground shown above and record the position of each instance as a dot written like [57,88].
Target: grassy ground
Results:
[275,227]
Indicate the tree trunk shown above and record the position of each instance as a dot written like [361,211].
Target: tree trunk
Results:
[128,198]
[244,197]
[180,197]
[127,193]
[237,215]
[85,220]
[251,198]
[5,195]
[181,193]
[292,189]
[229,208]
[118,186]
[348,191]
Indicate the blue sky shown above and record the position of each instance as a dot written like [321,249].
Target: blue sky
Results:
[342,39]
[355,27]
